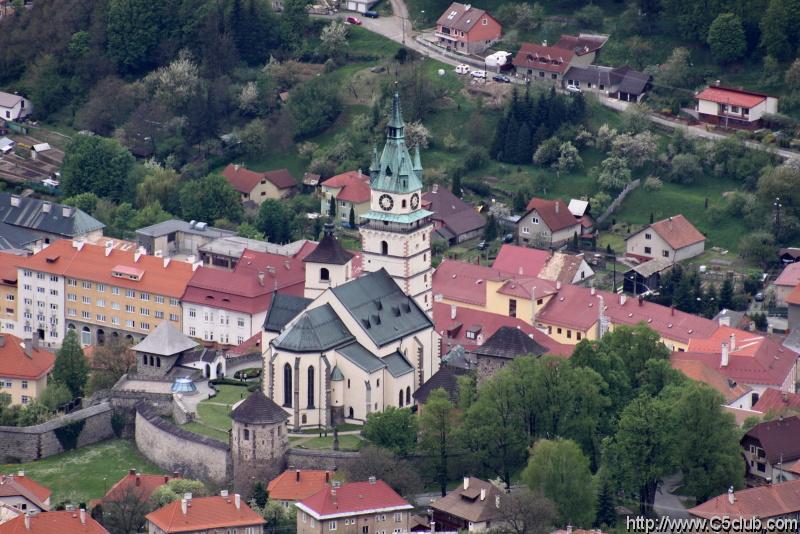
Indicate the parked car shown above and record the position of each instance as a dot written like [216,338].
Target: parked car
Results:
[371,14]
[482,245]
[50,182]
[573,89]
[501,78]
[759,297]
[353,20]
[481,74]
[462,69]
[508,238]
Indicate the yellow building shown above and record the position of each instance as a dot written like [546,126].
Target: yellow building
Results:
[8,293]
[259,186]
[23,369]
[350,190]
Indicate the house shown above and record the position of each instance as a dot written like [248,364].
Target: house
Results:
[769,446]
[24,368]
[466,29]
[585,46]
[780,500]
[311,182]
[736,395]
[793,303]
[53,522]
[370,506]
[98,291]
[547,224]
[580,209]
[734,108]
[645,277]
[350,191]
[225,252]
[259,186]
[775,402]
[789,255]
[6,145]
[473,506]
[549,63]
[736,319]
[178,239]
[297,484]
[8,293]
[745,358]
[555,267]
[620,83]
[360,6]
[502,347]
[32,224]
[198,515]
[455,221]
[14,107]
[137,484]
[785,283]
[159,352]
[673,238]
[24,494]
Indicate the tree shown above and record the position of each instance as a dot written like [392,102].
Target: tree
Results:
[34,413]
[726,38]
[614,174]
[351,217]
[437,424]
[176,489]
[548,152]
[560,471]
[400,474]
[394,429]
[792,76]
[520,201]
[726,293]
[175,84]
[606,505]
[776,30]
[685,169]
[260,495]
[417,135]
[568,157]
[210,198]
[110,361]
[455,183]
[314,105]
[333,40]
[96,164]
[124,511]
[70,368]
[677,70]
[83,201]
[758,247]
[255,138]
[490,230]
[55,396]
[132,33]
[249,99]
[275,221]
[527,512]
[159,184]
[636,149]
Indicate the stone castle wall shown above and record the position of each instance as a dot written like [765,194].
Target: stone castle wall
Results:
[322,460]
[26,444]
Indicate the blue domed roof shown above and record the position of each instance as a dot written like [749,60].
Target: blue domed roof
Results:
[183,385]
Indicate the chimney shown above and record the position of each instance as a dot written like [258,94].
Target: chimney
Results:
[724,356]
[166,479]
[433,527]
[136,256]
[592,291]
[166,262]
[641,300]
[27,522]
[569,529]
[497,501]
[466,483]
[237,500]
[28,347]
[66,211]
[622,299]
[109,248]
[556,206]
[184,508]
[83,516]
[2,341]
[297,475]
[46,207]
[483,494]
[435,188]
[733,342]
[672,310]
[15,201]
[327,476]
[731,495]
[453,311]
[131,471]
[20,473]
[544,43]
[558,284]
[138,479]
[223,494]
[372,480]
[188,498]
[261,278]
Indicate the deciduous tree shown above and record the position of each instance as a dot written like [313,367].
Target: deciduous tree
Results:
[96,164]
[70,368]
[210,198]
[726,38]
[394,429]
[438,423]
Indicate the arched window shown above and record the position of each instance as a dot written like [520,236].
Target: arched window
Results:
[303,419]
[86,336]
[401,399]
[158,361]
[287,385]
[324,275]
[408,395]
[350,413]
[384,248]
[310,386]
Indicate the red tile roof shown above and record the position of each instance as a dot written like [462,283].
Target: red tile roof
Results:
[353,185]
[142,485]
[677,231]
[92,263]
[281,178]
[250,345]
[790,276]
[521,260]
[699,371]
[244,180]
[204,513]
[794,296]
[777,402]
[732,97]
[763,502]
[778,438]
[296,485]
[354,498]
[541,57]
[581,44]
[8,269]
[15,363]
[21,485]
[461,17]
[554,213]
[53,523]
[454,331]
[754,360]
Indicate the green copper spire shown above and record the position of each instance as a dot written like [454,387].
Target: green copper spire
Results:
[396,171]
[417,162]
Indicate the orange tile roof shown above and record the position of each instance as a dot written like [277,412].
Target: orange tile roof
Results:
[143,485]
[53,523]
[554,213]
[14,363]
[296,485]
[8,269]
[93,264]
[677,231]
[790,276]
[764,501]
[794,296]
[732,97]
[20,484]
[204,513]
[353,185]
[700,372]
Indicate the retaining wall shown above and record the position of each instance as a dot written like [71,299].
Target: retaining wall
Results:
[330,460]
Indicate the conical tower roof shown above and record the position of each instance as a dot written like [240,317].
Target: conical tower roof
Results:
[396,120]
[259,409]
[396,170]
[329,250]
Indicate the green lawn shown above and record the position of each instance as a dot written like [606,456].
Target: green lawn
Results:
[347,442]
[86,473]
[213,415]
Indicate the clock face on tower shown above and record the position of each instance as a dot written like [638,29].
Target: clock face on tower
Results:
[386,202]
[414,201]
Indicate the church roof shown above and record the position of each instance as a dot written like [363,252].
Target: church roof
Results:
[165,340]
[258,408]
[316,330]
[396,171]
[397,364]
[361,357]
[508,342]
[283,309]
[381,308]
[329,250]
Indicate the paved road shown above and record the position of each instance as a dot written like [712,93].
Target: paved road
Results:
[668,503]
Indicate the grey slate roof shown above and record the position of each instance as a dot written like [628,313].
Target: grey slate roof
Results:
[329,250]
[283,309]
[361,357]
[624,79]
[165,340]
[316,330]
[202,354]
[633,81]
[381,308]
[336,374]
[458,216]
[258,409]
[397,365]
[509,343]
[177,225]
[31,214]
[14,237]
[446,378]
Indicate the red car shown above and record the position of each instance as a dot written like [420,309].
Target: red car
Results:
[353,20]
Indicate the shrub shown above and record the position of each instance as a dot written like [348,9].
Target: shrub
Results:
[653,183]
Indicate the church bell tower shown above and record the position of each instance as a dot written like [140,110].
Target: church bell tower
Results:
[396,234]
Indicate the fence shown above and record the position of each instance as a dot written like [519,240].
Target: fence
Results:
[617,201]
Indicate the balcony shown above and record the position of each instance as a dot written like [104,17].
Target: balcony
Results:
[448,36]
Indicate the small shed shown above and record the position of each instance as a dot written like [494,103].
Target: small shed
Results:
[645,277]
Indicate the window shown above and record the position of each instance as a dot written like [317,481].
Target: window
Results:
[72,312]
[324,275]
[246,435]
[512,307]
[72,282]
[535,220]
[304,517]
[115,291]
[100,303]
[72,297]
[25,399]
[159,299]
[192,312]
[240,322]
[173,317]
[311,522]
[40,290]
[158,314]
[554,76]
[40,276]
[173,302]
[86,300]
[144,296]
[24,384]
[398,517]
[54,292]
[130,309]
[602,87]
[130,293]
[115,305]
[100,288]
[239,340]
[192,331]
[384,248]
[100,317]
[86,315]
[647,250]
[526,230]
[485,22]
[569,334]
[558,330]
[287,385]
[144,326]
[130,324]
[648,236]
[331,525]
[115,320]
[578,336]
[381,517]
[665,253]
[10,297]
[86,285]
[145,312]
[310,392]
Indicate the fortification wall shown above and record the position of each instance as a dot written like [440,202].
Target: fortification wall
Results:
[330,460]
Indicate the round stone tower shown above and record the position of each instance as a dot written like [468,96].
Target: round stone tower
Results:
[259,440]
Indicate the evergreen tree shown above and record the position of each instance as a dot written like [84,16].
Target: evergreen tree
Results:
[520,202]
[683,298]
[523,152]
[332,207]
[711,302]
[352,217]
[455,184]
[490,230]
[70,368]
[606,508]
[726,294]
[575,242]
[510,145]
[498,144]
[260,495]
[651,217]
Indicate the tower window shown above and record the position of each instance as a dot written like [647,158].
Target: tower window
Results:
[404,203]
[246,436]
[287,385]
[384,248]
[324,275]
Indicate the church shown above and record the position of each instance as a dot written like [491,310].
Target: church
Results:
[360,340]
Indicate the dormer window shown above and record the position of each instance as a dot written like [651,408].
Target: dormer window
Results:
[129,273]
